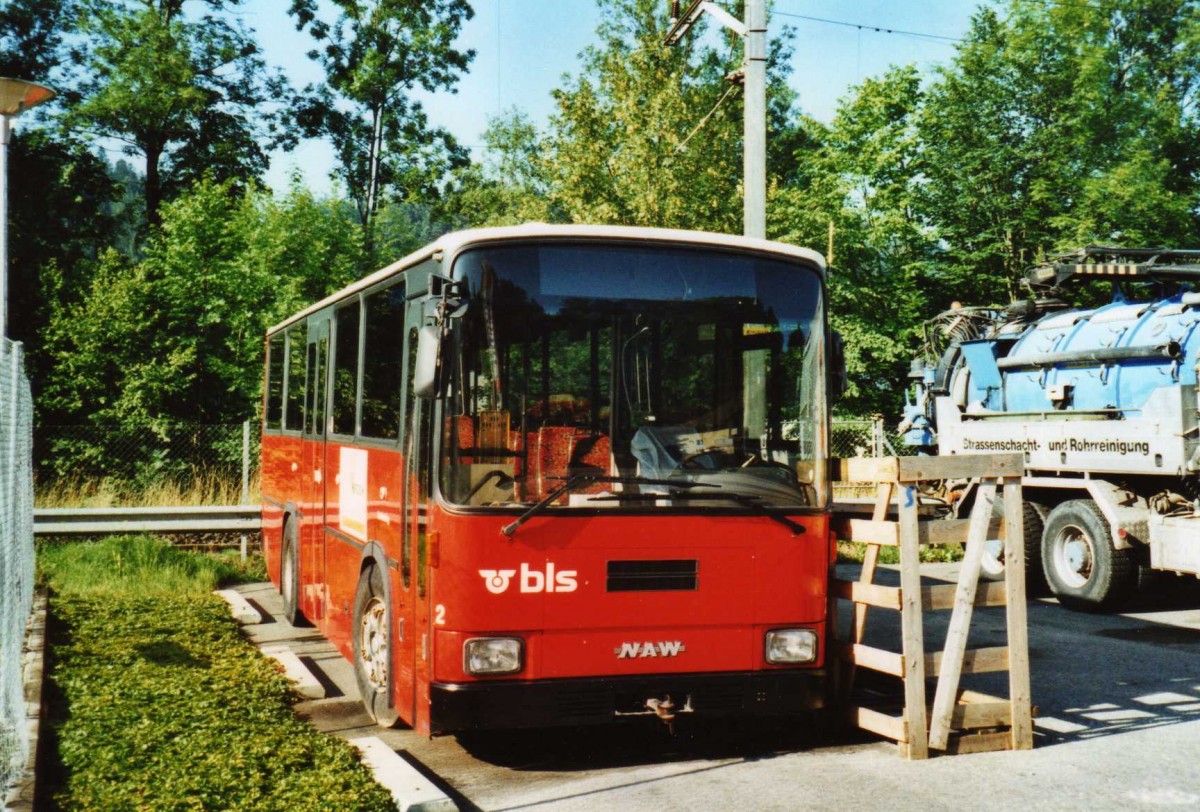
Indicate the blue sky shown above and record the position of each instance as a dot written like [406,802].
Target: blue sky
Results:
[524,47]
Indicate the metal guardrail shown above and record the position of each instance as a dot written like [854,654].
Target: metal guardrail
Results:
[187,519]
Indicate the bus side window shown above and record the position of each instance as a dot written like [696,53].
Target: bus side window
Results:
[316,386]
[293,416]
[383,363]
[273,417]
[345,368]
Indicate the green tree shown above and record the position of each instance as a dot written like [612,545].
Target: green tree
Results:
[1061,124]
[375,53]
[860,176]
[651,135]
[59,192]
[618,144]
[31,37]
[511,184]
[190,96]
[178,337]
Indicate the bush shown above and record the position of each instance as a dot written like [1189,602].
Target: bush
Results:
[162,704]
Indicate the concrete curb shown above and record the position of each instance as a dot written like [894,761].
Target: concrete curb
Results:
[23,795]
[305,684]
[411,790]
[239,607]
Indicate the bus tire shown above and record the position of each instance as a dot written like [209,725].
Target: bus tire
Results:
[1085,572]
[373,647]
[993,553]
[289,574]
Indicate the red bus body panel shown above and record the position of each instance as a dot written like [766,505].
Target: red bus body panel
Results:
[751,573]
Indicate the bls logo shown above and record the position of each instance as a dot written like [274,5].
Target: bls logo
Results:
[497,581]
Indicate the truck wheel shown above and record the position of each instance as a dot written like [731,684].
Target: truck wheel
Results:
[1083,569]
[372,647]
[993,551]
[289,575]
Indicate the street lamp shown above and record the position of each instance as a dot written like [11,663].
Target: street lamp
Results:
[16,96]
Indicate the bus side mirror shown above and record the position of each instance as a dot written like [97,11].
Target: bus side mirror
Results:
[837,365]
[427,373]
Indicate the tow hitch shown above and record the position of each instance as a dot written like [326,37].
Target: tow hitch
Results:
[663,708]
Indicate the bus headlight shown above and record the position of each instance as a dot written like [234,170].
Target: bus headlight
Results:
[791,646]
[492,655]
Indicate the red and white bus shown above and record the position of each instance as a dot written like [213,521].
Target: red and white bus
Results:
[560,475]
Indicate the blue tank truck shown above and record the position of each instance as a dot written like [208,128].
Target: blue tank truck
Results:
[1102,401]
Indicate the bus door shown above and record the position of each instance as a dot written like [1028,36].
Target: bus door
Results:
[416,652]
[312,546]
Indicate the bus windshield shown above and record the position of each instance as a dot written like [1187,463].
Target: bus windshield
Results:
[640,376]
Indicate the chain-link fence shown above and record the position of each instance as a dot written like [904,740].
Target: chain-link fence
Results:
[16,554]
[862,438]
[155,464]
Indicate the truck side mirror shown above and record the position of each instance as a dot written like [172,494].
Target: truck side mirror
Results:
[838,380]
[427,373]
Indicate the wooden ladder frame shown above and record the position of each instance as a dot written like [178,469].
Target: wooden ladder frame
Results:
[958,721]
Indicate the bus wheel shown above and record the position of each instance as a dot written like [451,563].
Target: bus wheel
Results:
[993,548]
[289,575]
[372,647]
[1083,569]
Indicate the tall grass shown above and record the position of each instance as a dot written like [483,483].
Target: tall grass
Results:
[139,566]
[203,487]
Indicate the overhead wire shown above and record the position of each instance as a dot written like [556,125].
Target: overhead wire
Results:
[937,38]
[707,116]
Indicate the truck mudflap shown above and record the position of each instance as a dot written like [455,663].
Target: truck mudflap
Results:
[1175,543]
[458,707]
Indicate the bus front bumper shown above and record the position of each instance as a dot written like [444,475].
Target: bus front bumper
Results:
[599,700]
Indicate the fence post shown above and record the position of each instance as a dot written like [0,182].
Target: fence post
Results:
[245,477]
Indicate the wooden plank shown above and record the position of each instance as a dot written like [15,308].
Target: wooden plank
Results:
[865,506]
[981,714]
[960,620]
[954,531]
[1018,625]
[963,744]
[878,595]
[975,661]
[941,596]
[866,578]
[933,532]
[883,496]
[881,724]
[967,695]
[912,633]
[866,531]
[876,659]
[960,466]
[865,469]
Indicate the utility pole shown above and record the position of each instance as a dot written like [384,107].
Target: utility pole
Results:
[754,174]
[754,72]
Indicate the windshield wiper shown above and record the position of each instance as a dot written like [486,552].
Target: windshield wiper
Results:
[573,482]
[751,502]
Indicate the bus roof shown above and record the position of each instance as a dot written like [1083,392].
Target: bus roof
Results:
[455,241]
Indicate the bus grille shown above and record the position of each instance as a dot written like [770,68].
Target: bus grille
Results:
[652,576]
